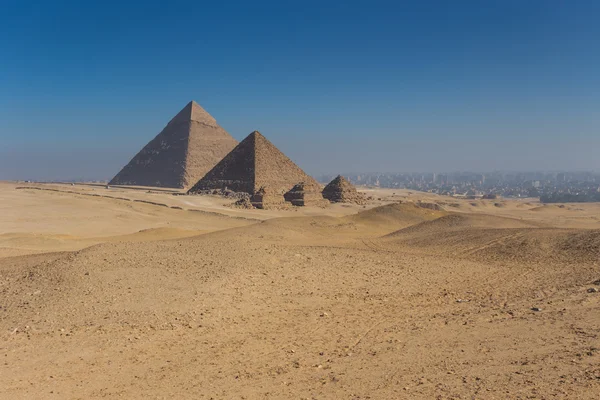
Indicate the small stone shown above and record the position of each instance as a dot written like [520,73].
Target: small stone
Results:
[536,309]
[592,290]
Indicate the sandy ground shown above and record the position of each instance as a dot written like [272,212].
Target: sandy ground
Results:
[143,294]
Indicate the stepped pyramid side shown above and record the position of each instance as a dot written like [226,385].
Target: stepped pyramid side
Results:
[306,194]
[254,164]
[189,146]
[265,198]
[339,190]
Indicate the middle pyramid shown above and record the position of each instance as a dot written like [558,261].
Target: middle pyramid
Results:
[253,164]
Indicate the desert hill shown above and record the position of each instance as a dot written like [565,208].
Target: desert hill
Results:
[396,215]
[453,221]
[498,238]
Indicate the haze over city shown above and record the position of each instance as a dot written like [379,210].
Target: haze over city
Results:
[354,87]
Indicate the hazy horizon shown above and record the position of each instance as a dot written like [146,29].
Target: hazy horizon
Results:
[440,87]
[347,173]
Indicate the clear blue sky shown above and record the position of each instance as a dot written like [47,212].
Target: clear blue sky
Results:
[338,86]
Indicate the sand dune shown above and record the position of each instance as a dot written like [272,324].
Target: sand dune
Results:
[396,214]
[498,239]
[459,221]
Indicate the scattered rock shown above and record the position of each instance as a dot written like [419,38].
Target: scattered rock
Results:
[244,203]
[536,309]
[592,290]
[229,194]
[430,206]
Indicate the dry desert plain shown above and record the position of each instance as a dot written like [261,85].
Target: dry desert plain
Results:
[145,294]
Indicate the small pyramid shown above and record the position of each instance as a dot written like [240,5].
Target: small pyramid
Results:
[186,149]
[265,198]
[306,194]
[340,190]
[255,163]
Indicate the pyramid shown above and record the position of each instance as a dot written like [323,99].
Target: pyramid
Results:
[266,198]
[186,149]
[306,194]
[340,190]
[255,163]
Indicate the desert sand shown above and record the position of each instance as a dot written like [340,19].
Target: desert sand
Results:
[139,293]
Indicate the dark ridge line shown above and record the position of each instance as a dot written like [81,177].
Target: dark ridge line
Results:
[140,201]
[151,202]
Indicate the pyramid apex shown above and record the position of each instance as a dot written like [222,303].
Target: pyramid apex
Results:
[255,136]
[199,114]
[194,112]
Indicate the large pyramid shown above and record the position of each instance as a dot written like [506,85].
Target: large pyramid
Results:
[254,164]
[186,149]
